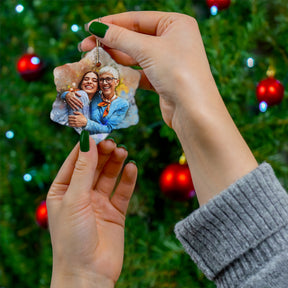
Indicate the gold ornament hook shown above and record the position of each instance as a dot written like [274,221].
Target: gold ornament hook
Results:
[98,63]
[271,71]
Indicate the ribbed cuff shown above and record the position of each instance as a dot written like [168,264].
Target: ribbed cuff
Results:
[238,230]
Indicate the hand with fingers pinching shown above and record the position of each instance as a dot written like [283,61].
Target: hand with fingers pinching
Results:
[167,46]
[226,235]
[236,195]
[169,49]
[86,221]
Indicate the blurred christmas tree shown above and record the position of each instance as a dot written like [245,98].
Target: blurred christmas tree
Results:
[242,42]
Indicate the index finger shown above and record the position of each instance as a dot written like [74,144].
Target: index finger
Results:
[139,21]
[78,94]
[134,32]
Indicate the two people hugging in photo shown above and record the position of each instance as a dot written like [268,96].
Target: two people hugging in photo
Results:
[95,106]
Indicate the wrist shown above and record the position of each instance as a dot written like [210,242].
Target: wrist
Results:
[85,122]
[195,105]
[215,150]
[63,95]
[79,279]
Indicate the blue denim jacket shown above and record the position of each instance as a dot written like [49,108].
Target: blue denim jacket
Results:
[99,124]
[96,123]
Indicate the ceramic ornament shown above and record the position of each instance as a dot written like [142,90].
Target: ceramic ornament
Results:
[95,94]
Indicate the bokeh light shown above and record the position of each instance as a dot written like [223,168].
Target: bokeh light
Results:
[74,27]
[19,8]
[9,134]
[27,177]
[250,62]
[213,10]
[263,106]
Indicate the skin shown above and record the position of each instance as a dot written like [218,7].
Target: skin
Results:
[215,150]
[108,90]
[90,86]
[81,206]
[190,104]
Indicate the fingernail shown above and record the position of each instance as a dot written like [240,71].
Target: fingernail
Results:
[99,29]
[84,141]
[132,161]
[86,27]
[122,146]
[136,67]
[111,139]
[79,47]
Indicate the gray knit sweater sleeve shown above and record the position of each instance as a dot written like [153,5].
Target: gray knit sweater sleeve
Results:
[240,237]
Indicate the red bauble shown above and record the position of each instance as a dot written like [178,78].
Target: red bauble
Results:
[220,4]
[270,90]
[30,67]
[42,215]
[176,182]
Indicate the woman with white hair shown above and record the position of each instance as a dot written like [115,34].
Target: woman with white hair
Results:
[107,110]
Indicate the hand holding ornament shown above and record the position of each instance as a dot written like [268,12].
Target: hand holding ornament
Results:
[80,206]
[169,49]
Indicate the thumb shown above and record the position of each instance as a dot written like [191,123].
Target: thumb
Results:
[84,170]
[122,39]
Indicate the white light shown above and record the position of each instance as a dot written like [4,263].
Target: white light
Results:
[250,62]
[27,177]
[9,134]
[263,106]
[19,8]
[74,27]
[35,60]
[214,10]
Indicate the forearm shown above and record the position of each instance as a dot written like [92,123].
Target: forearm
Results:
[79,280]
[239,238]
[215,150]
[93,127]
[117,117]
[63,95]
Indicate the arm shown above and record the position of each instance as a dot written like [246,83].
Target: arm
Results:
[189,99]
[243,231]
[117,117]
[72,100]
[216,152]
[77,119]
[63,95]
